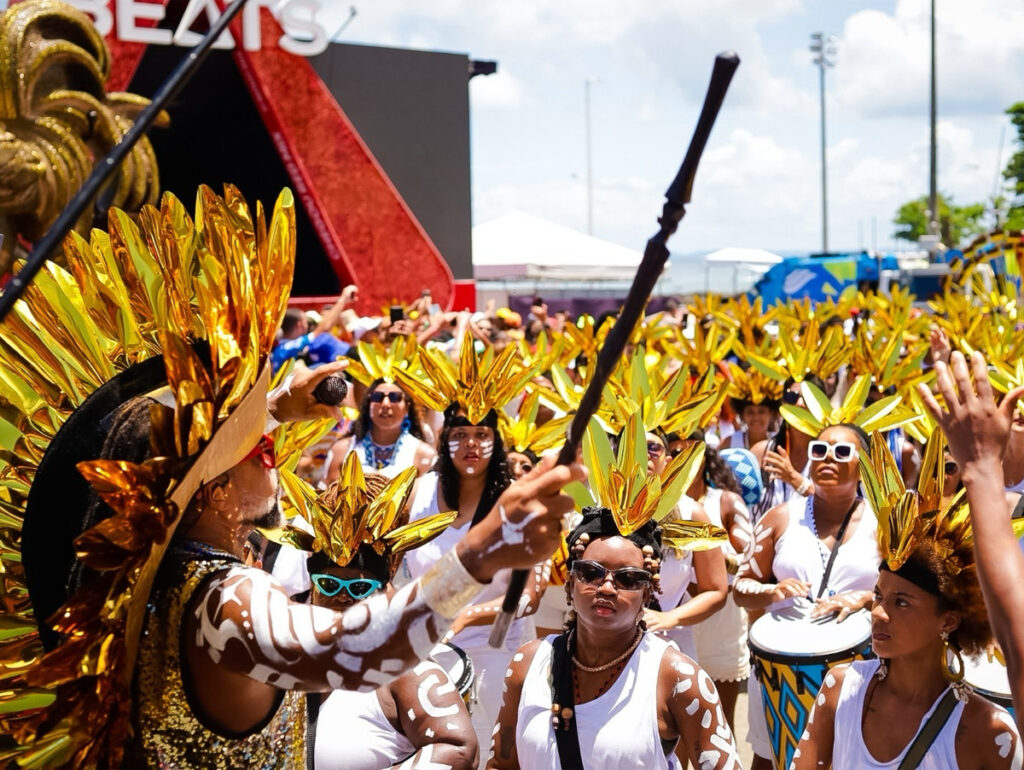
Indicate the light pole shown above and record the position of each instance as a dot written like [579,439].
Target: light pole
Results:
[824,49]
[933,194]
[590,163]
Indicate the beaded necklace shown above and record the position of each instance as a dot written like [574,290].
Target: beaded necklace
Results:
[380,455]
[615,665]
[823,552]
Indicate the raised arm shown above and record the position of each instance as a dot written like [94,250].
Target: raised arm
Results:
[977,430]
[245,622]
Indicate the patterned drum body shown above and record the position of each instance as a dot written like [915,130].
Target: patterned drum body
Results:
[790,655]
[987,676]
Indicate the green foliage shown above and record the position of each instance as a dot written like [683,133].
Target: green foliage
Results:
[956,223]
[1014,171]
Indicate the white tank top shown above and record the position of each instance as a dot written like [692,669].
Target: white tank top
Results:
[617,730]
[800,554]
[419,560]
[404,455]
[848,749]
[352,733]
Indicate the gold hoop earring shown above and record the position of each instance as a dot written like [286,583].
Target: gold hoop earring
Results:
[954,674]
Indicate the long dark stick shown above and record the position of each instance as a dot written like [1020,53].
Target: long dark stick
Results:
[106,167]
[647,274]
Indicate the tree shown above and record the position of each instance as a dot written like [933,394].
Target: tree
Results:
[956,223]
[1014,171]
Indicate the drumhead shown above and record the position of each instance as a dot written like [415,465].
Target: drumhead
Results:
[456,662]
[791,633]
[987,676]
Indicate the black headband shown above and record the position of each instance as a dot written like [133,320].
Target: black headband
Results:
[918,574]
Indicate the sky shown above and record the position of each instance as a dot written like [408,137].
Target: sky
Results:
[759,184]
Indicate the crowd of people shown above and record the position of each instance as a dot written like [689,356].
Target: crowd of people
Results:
[816,502]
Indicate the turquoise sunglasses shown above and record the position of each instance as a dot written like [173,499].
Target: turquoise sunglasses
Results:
[357,588]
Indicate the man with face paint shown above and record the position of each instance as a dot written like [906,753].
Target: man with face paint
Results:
[227,694]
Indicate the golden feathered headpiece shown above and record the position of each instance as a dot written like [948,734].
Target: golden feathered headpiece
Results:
[378,361]
[208,294]
[800,353]
[481,382]
[885,414]
[349,516]
[753,385]
[522,433]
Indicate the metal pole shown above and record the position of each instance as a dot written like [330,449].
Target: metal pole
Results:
[590,163]
[824,168]
[933,194]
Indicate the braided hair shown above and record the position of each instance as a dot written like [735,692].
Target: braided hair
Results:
[498,476]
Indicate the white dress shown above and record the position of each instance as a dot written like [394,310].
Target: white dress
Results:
[849,751]
[721,640]
[617,730]
[352,733]
[489,664]
[404,455]
[676,575]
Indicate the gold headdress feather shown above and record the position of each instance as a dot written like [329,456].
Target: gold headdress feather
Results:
[800,354]
[157,287]
[352,517]
[885,414]
[481,382]
[522,432]
[377,362]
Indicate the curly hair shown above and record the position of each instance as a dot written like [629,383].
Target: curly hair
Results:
[717,473]
[362,426]
[959,593]
[498,475]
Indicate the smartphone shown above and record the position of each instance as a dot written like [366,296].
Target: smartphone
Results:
[397,313]
[434,309]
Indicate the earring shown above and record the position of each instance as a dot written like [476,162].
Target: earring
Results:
[406,424]
[954,673]
[883,669]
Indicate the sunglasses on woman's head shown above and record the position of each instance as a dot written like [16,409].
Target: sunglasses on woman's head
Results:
[624,579]
[841,451]
[357,588]
[378,396]
[655,449]
[264,449]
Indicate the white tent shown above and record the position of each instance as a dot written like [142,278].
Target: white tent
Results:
[521,246]
[739,256]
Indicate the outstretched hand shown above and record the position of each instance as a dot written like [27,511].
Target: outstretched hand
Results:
[976,427]
[293,400]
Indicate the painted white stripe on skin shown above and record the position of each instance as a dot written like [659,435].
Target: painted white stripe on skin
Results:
[423,695]
[487,449]
[422,761]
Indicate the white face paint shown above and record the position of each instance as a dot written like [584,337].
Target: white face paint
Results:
[453,447]
[487,449]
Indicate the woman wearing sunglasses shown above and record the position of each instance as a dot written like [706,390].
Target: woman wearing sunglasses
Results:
[606,693]
[794,542]
[387,437]
[419,716]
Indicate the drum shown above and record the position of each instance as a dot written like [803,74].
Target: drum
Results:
[790,655]
[456,662]
[987,677]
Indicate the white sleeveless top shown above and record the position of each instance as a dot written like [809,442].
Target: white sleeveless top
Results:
[419,560]
[849,751]
[404,455]
[352,733]
[617,731]
[800,554]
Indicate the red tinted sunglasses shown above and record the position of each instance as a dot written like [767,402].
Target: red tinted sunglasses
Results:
[264,449]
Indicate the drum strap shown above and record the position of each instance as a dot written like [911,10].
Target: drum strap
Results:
[929,732]
[835,548]
[313,701]
[562,694]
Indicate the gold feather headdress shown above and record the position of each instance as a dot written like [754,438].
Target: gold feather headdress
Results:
[620,482]
[482,381]
[885,414]
[801,353]
[351,516]
[81,338]
[379,362]
[753,385]
[522,433]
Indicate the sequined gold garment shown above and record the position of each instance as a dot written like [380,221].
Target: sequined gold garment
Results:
[167,733]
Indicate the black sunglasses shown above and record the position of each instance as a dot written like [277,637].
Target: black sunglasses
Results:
[951,467]
[378,396]
[790,397]
[624,579]
[655,449]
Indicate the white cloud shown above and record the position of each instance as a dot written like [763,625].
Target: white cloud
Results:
[502,90]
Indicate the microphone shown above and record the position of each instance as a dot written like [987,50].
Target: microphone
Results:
[331,390]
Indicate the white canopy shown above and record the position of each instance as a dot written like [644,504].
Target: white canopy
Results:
[736,255]
[518,245]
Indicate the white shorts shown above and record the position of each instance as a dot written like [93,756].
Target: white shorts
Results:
[721,643]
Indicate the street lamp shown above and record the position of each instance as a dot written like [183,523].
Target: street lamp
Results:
[824,49]
[590,164]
